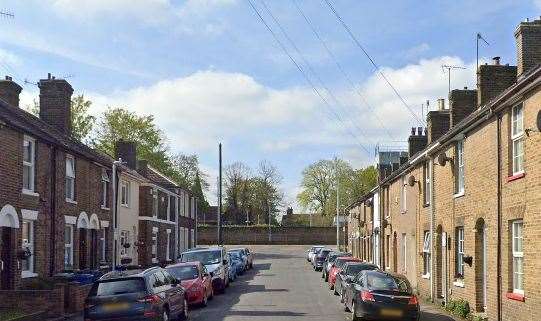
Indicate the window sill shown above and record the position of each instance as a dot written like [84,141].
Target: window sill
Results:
[29,193]
[105,208]
[124,205]
[403,212]
[515,296]
[459,283]
[426,276]
[154,260]
[71,201]
[515,177]
[459,194]
[28,274]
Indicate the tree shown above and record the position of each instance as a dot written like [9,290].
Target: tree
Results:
[82,122]
[317,184]
[118,123]
[197,190]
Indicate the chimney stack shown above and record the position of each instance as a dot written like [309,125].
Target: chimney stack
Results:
[127,151]
[437,122]
[461,104]
[528,39]
[417,141]
[55,103]
[493,79]
[9,91]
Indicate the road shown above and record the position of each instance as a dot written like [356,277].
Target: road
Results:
[281,287]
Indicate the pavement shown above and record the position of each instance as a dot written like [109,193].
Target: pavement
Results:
[281,286]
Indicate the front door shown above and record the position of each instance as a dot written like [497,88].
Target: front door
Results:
[6,255]
[82,249]
[94,248]
[484,240]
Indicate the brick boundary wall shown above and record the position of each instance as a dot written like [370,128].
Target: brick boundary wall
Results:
[260,235]
[49,301]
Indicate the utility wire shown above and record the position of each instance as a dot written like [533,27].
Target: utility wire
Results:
[311,69]
[341,69]
[308,80]
[376,67]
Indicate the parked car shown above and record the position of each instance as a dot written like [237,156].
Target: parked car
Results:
[348,273]
[381,295]
[329,261]
[238,264]
[216,261]
[151,294]
[312,251]
[241,252]
[195,280]
[337,266]
[232,269]
[319,259]
[250,255]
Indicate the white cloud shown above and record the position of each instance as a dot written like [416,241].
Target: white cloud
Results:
[537,3]
[8,59]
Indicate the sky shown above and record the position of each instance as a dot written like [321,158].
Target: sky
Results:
[210,71]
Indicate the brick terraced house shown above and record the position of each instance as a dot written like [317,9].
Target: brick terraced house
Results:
[462,217]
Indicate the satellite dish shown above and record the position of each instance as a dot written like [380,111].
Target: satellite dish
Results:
[539,120]
[411,181]
[442,159]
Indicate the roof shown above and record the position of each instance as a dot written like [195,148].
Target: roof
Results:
[127,273]
[24,121]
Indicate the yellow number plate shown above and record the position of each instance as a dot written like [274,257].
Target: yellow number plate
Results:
[116,306]
[391,313]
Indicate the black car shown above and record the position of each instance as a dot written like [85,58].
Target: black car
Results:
[134,295]
[329,260]
[378,295]
[347,275]
[319,259]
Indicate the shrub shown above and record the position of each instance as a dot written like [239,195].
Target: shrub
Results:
[460,308]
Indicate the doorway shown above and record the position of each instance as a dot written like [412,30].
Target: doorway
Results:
[480,265]
[82,249]
[6,279]
[395,251]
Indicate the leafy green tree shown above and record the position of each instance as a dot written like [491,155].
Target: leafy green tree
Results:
[197,190]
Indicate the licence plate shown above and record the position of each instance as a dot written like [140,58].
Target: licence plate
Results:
[391,313]
[116,307]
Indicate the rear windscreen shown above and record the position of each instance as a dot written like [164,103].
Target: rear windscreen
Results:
[382,282]
[114,287]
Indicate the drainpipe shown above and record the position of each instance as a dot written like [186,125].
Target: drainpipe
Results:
[53,211]
[432,214]
[499,214]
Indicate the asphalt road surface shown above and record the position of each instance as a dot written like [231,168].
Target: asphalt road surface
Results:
[281,286]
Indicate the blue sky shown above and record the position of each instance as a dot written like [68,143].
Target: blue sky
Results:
[209,70]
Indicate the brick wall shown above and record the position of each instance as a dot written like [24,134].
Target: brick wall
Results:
[50,301]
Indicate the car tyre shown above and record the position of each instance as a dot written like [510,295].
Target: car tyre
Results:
[354,316]
[211,294]
[184,314]
[346,308]
[205,301]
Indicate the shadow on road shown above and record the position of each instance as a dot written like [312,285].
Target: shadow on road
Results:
[274,256]
[429,316]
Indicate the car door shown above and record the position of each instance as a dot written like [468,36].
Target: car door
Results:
[206,279]
[174,293]
[226,265]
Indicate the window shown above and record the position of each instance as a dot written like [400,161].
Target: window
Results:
[168,246]
[426,254]
[172,208]
[154,249]
[517,137]
[459,253]
[388,251]
[29,164]
[154,202]
[459,167]
[68,247]
[104,188]
[404,252]
[518,258]
[124,239]
[28,247]
[103,244]
[125,193]
[426,187]
[70,178]
[403,192]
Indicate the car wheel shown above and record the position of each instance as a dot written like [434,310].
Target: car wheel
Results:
[184,313]
[354,316]
[211,293]
[205,300]
[346,308]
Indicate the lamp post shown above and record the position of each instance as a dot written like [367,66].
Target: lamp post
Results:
[116,164]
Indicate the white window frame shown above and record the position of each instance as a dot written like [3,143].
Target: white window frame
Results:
[427,259]
[459,168]
[70,196]
[68,246]
[125,187]
[427,183]
[104,188]
[168,246]
[459,251]
[154,245]
[403,194]
[124,238]
[30,246]
[103,239]
[518,256]
[31,165]
[517,139]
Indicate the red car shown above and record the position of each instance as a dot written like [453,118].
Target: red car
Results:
[195,280]
[338,263]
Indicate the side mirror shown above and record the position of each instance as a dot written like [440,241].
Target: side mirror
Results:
[224,262]
[211,273]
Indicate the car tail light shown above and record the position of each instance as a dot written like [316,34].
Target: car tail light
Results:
[367,296]
[150,314]
[413,300]
[150,299]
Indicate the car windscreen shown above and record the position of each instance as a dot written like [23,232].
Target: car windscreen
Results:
[205,257]
[188,272]
[385,282]
[120,286]
[235,255]
[353,269]
[323,253]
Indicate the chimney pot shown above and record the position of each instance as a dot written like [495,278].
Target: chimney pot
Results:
[465,88]
[420,131]
[413,130]
[48,75]
[496,60]
[441,104]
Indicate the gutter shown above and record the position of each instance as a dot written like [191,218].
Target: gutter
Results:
[499,214]
[53,212]
[432,217]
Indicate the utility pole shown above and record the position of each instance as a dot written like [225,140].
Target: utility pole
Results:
[116,164]
[220,209]
[449,67]
[337,214]
[270,232]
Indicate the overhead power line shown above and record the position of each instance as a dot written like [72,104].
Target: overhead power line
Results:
[340,68]
[373,62]
[312,70]
[308,80]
